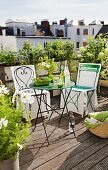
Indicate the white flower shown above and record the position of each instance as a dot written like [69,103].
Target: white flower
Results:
[27,98]
[43,63]
[82,49]
[47,65]
[3,122]
[20,146]
[24,97]
[3,119]
[106,50]
[3,90]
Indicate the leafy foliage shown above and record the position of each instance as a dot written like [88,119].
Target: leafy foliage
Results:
[96,51]
[90,52]
[59,50]
[41,81]
[49,65]
[30,55]
[103,57]
[7,57]
[15,132]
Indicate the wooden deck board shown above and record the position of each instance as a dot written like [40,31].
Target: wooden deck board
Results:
[95,158]
[58,161]
[64,152]
[102,165]
[50,154]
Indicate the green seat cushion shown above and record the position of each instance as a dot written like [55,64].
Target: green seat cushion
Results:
[91,123]
[101,116]
[81,88]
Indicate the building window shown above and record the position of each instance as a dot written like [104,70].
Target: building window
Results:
[18,31]
[78,31]
[23,33]
[45,43]
[85,31]
[93,31]
[77,44]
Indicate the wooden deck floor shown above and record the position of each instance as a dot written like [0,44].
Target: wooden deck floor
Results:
[65,152]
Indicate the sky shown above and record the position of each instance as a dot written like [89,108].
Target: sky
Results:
[53,10]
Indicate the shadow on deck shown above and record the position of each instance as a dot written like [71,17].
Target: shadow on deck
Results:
[65,152]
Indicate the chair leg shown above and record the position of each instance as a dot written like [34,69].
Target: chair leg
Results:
[89,99]
[44,127]
[76,101]
[39,100]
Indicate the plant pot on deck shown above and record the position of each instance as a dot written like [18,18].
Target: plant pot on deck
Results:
[10,164]
[103,83]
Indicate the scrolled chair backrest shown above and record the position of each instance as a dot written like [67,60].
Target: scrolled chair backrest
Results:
[23,76]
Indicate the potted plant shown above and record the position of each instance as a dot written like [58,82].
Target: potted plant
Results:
[41,81]
[7,59]
[104,72]
[12,131]
[48,65]
[61,51]
[96,51]
[90,52]
[30,55]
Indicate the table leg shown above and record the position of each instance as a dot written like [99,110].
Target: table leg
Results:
[65,103]
[39,101]
[65,106]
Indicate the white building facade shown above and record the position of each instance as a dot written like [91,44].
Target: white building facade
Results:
[56,28]
[15,43]
[21,28]
[79,33]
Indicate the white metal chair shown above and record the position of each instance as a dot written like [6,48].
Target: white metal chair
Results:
[23,77]
[83,97]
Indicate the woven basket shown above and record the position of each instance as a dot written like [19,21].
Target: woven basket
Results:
[100,130]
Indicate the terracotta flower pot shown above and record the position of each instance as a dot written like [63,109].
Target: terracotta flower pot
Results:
[103,83]
[10,164]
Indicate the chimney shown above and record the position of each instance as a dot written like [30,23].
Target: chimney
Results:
[81,22]
[102,22]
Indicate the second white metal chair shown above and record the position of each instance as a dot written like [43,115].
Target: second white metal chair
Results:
[83,97]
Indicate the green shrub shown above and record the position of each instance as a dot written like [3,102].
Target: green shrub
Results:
[89,53]
[7,57]
[60,50]
[12,130]
[96,51]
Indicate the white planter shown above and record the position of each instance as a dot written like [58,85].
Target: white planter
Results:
[10,164]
